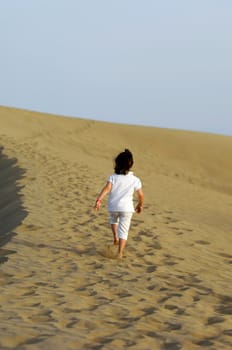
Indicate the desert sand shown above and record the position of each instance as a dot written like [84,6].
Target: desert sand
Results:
[61,286]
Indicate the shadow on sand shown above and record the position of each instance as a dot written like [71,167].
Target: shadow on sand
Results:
[12,211]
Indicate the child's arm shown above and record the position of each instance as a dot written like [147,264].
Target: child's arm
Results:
[106,189]
[139,206]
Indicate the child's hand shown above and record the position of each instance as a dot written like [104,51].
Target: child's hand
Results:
[139,208]
[97,204]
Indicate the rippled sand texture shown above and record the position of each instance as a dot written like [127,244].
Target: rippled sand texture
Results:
[60,284]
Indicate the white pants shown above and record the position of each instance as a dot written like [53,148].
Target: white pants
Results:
[123,219]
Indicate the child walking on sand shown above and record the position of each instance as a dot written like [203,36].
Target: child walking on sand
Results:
[121,187]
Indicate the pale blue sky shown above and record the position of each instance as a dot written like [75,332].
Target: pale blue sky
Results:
[162,63]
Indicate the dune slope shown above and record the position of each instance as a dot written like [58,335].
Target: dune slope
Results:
[61,287]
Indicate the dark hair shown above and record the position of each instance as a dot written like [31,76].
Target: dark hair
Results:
[123,162]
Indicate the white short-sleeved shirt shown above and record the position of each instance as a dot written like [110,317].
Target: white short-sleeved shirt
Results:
[121,195]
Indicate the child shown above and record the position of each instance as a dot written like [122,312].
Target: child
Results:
[121,187]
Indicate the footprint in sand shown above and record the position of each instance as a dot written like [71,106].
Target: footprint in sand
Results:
[171,346]
[224,255]
[172,326]
[225,306]
[169,220]
[202,242]
[215,319]
[228,258]
[205,342]
[151,269]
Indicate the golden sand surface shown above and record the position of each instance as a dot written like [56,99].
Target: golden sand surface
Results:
[60,285]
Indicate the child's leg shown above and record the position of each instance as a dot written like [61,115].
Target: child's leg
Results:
[123,229]
[114,225]
[122,244]
[114,228]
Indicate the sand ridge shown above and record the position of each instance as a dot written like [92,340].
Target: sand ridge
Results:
[60,286]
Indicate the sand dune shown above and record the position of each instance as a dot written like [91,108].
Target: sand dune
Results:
[60,286]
